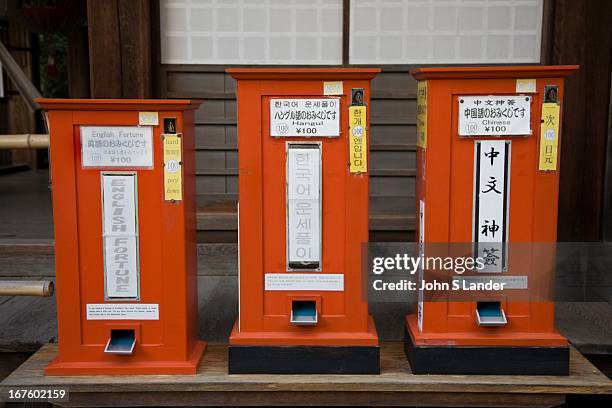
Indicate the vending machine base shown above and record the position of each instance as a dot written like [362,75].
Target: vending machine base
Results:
[360,354]
[117,365]
[441,356]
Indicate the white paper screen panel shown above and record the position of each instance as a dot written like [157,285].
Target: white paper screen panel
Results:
[445,31]
[304,32]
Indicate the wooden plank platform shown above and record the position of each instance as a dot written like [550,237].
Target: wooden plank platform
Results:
[396,386]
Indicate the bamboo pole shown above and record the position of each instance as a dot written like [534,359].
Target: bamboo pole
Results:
[26,288]
[24,141]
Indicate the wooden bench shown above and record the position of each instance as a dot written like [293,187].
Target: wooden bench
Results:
[396,386]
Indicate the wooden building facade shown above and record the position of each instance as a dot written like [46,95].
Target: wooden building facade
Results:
[180,49]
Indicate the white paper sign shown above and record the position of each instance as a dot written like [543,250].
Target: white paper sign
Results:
[122,311]
[305,117]
[491,181]
[494,115]
[120,229]
[304,281]
[303,204]
[116,146]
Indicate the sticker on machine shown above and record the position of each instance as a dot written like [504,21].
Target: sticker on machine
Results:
[122,311]
[305,281]
[494,115]
[305,117]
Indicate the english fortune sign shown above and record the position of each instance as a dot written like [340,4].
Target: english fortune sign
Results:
[494,115]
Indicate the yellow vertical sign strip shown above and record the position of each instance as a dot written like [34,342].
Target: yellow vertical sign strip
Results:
[358,144]
[422,114]
[173,185]
[549,136]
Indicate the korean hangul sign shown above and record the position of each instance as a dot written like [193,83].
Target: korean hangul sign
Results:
[116,146]
[358,144]
[304,206]
[491,185]
[494,115]
[305,117]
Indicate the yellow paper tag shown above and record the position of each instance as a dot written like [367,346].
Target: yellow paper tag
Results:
[422,114]
[358,144]
[173,183]
[549,136]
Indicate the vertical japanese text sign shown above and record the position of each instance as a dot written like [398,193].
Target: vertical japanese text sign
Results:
[491,181]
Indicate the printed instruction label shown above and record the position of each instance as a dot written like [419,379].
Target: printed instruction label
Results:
[494,115]
[122,311]
[116,146]
[358,143]
[422,114]
[173,166]
[549,136]
[305,117]
[305,281]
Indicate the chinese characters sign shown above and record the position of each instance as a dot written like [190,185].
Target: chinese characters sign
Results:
[494,115]
[172,168]
[422,114]
[305,117]
[358,145]
[120,235]
[549,136]
[491,184]
[304,206]
[116,146]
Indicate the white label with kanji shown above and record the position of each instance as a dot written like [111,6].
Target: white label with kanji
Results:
[116,146]
[303,204]
[494,115]
[305,117]
[491,187]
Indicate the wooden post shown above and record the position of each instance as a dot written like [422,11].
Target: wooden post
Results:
[582,36]
[119,48]
[78,64]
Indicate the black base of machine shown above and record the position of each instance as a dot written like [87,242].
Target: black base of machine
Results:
[489,360]
[304,359]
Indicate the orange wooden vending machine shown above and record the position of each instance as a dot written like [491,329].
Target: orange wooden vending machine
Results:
[488,174]
[123,188]
[303,215]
